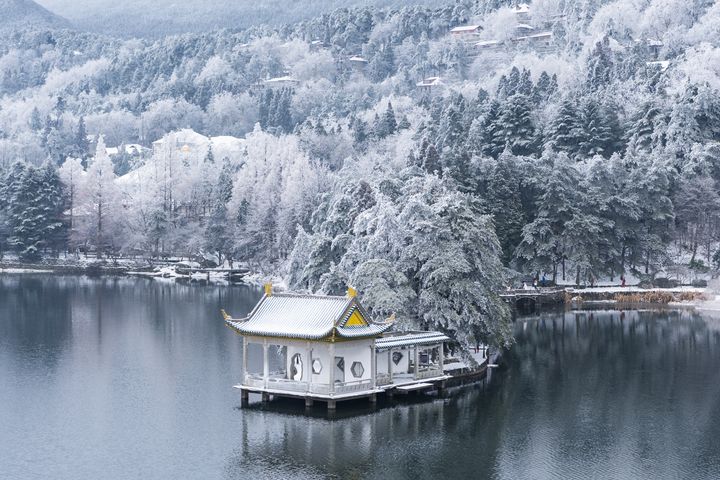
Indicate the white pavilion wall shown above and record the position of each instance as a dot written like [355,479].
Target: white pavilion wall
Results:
[356,351]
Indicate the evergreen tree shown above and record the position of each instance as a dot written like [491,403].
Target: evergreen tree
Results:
[594,132]
[431,160]
[81,142]
[600,65]
[564,134]
[641,135]
[504,204]
[388,124]
[515,127]
[217,238]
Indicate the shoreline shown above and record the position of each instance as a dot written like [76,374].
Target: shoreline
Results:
[137,269]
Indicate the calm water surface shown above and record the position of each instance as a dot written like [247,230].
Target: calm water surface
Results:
[131,378]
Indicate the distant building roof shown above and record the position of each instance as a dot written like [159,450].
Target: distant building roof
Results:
[487,43]
[357,58]
[310,317]
[466,29]
[285,79]
[534,36]
[524,26]
[521,8]
[430,82]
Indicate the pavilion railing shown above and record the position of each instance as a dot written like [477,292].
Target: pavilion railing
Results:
[429,373]
[384,379]
[284,384]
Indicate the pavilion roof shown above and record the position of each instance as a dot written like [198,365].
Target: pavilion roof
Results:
[310,317]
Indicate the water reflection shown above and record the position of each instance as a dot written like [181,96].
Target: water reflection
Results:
[130,378]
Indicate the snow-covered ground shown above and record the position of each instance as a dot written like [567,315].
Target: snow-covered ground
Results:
[23,270]
[635,289]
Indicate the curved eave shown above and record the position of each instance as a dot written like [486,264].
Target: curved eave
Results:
[370,331]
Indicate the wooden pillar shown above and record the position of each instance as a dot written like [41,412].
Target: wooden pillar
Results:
[308,402]
[331,405]
[373,398]
[265,397]
[266,364]
[244,398]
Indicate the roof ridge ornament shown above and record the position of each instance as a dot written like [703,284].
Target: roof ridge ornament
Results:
[351,292]
[268,289]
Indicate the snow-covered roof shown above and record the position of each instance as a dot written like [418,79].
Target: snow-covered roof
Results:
[487,43]
[284,79]
[410,338]
[654,42]
[534,36]
[524,26]
[521,8]
[430,82]
[311,317]
[466,29]
[357,58]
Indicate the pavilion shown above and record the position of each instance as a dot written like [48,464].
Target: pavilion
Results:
[327,348]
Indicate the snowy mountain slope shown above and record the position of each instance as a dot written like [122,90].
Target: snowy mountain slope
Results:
[152,19]
[18,13]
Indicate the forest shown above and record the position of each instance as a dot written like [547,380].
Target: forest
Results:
[590,157]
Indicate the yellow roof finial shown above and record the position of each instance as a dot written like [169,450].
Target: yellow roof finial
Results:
[351,292]
[225,315]
[268,289]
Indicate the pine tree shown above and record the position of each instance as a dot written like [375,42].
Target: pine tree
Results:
[504,204]
[564,134]
[493,141]
[431,160]
[594,132]
[641,136]
[388,124]
[52,228]
[217,238]
[81,141]
[600,65]
[515,126]
[360,134]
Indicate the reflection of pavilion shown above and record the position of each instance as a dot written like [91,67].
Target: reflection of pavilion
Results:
[331,351]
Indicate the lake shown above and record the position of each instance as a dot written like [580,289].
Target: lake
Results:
[124,378]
